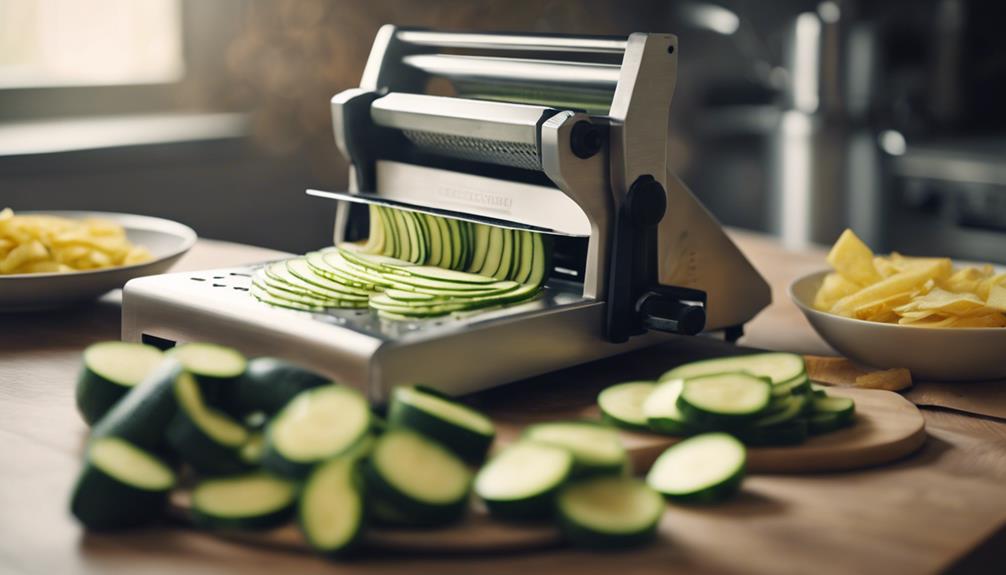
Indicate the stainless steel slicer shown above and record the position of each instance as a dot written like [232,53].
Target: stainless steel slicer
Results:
[560,135]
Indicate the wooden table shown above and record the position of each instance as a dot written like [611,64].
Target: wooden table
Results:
[945,506]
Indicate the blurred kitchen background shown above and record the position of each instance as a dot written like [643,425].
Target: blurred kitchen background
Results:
[792,117]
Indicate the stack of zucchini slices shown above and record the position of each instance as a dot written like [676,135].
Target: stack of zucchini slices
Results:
[413,265]
[256,444]
[761,399]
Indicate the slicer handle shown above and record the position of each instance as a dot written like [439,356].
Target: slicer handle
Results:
[673,310]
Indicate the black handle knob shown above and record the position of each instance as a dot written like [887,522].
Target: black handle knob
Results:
[670,313]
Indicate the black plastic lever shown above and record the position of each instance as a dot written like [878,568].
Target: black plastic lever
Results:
[636,299]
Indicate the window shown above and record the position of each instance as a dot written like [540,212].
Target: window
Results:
[55,43]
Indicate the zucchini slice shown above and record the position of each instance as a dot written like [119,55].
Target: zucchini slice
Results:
[622,404]
[205,438]
[792,432]
[267,385]
[418,478]
[331,510]
[706,468]
[724,400]
[317,424]
[596,448]
[798,385]
[145,412]
[778,367]
[458,427]
[254,500]
[121,486]
[110,369]
[480,246]
[661,409]
[520,483]
[830,414]
[609,512]
[214,366]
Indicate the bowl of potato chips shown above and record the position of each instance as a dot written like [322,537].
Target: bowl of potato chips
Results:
[943,320]
[50,259]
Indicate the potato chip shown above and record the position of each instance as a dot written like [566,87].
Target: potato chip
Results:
[909,280]
[834,288]
[853,259]
[51,244]
[911,291]
[997,298]
[890,379]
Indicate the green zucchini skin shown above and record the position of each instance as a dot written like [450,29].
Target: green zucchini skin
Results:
[713,495]
[820,423]
[466,443]
[267,385]
[791,432]
[103,503]
[96,395]
[143,415]
[199,450]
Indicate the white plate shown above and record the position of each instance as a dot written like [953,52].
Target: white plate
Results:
[166,240]
[951,354]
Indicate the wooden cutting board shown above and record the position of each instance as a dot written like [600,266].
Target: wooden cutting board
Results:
[888,427]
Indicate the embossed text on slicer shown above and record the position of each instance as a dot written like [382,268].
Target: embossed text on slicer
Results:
[469,197]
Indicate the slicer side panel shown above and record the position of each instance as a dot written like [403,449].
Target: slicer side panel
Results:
[696,252]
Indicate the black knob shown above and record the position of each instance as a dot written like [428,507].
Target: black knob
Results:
[585,139]
[646,201]
[670,314]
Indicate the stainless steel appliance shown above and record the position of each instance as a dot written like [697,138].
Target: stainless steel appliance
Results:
[560,135]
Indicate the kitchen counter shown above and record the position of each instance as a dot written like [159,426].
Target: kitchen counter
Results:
[944,507]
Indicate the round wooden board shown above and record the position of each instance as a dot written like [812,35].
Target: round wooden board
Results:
[888,427]
[477,533]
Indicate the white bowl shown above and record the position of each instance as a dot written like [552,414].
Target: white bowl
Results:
[950,354]
[166,240]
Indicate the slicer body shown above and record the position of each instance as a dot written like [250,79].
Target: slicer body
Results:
[570,142]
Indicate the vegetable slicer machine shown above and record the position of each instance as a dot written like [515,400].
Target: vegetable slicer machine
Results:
[560,135]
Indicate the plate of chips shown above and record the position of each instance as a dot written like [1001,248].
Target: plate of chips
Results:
[56,258]
[941,319]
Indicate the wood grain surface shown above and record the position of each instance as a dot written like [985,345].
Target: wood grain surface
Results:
[922,514]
